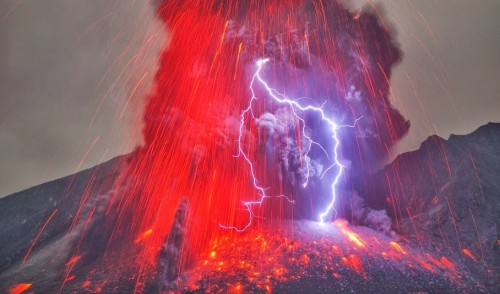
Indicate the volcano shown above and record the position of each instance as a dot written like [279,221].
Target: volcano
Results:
[445,242]
[259,171]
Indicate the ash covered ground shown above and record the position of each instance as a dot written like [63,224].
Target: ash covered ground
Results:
[445,254]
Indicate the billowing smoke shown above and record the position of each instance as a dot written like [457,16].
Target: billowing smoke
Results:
[362,215]
[319,53]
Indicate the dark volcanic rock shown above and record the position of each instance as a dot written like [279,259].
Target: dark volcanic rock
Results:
[447,193]
[169,262]
[60,208]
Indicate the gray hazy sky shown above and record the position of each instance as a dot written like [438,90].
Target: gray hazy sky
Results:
[449,80]
[73,76]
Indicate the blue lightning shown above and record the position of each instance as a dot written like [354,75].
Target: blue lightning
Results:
[294,105]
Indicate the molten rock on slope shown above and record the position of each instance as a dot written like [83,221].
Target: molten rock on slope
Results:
[305,256]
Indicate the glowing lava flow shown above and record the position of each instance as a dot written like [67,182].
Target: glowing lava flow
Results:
[294,105]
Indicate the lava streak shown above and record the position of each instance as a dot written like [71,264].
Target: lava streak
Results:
[19,288]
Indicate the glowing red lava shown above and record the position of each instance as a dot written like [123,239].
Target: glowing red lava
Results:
[201,88]
[263,259]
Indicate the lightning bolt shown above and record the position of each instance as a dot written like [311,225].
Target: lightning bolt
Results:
[295,106]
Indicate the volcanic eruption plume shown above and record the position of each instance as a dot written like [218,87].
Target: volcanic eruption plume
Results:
[226,143]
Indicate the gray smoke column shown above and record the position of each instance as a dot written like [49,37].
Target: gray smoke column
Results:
[169,261]
[338,60]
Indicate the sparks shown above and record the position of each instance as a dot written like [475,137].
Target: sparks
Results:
[295,107]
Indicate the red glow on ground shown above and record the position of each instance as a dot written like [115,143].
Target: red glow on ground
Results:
[265,258]
[353,237]
[86,284]
[353,262]
[398,247]
[469,254]
[19,288]
[73,260]
[446,262]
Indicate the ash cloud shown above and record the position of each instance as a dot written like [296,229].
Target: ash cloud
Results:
[169,265]
[277,132]
[366,216]
[321,53]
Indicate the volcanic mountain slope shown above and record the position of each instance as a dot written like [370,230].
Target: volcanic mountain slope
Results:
[443,197]
[41,226]
[447,193]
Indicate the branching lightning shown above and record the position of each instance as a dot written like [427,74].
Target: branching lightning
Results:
[295,107]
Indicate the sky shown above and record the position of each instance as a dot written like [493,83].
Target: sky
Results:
[74,76]
[449,79]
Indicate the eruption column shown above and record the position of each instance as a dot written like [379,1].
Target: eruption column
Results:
[295,106]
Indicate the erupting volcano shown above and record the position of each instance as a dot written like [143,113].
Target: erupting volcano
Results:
[263,135]
[257,107]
